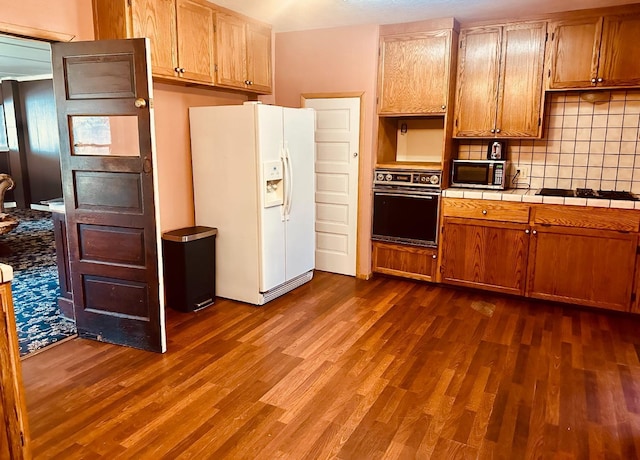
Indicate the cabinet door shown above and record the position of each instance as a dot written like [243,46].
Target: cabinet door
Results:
[406,261]
[478,73]
[575,47]
[231,53]
[414,73]
[195,41]
[156,19]
[485,255]
[619,64]
[259,58]
[586,267]
[521,73]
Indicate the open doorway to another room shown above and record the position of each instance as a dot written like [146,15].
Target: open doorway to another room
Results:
[29,154]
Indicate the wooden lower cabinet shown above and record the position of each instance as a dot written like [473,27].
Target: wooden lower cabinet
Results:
[14,434]
[407,261]
[485,254]
[582,266]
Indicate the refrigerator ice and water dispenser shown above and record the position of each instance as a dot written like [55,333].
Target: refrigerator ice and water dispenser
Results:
[272,188]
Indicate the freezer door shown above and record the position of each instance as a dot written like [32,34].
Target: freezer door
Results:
[300,206]
[271,225]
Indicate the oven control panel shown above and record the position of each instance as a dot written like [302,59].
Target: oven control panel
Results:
[429,179]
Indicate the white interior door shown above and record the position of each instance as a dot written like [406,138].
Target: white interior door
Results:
[337,133]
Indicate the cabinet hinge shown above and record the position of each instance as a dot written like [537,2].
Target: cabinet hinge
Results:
[214,29]
[22,433]
[633,296]
[460,44]
[539,121]
[549,74]
[377,99]
[638,250]
[553,36]
[441,268]
[456,122]
[215,67]
[129,2]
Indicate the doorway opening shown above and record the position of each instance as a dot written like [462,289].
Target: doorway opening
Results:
[30,154]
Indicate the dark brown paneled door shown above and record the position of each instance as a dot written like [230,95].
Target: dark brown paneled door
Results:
[103,99]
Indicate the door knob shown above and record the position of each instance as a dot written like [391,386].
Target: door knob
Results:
[140,103]
[355,154]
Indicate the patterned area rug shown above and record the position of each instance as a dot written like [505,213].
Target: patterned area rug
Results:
[30,250]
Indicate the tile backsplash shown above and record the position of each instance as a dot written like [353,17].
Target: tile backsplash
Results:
[585,145]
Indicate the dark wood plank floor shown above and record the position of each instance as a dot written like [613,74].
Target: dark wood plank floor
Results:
[350,369]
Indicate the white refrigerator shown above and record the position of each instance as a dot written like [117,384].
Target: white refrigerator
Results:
[253,178]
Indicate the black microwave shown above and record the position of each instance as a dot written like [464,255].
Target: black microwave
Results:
[485,174]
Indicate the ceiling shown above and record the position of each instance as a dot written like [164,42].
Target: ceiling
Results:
[292,15]
[20,58]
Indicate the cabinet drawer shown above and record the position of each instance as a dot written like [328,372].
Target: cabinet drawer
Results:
[587,217]
[486,210]
[406,261]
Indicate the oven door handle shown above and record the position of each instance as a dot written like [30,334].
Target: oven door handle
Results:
[429,196]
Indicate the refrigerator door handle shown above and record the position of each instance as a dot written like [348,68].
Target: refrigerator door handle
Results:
[283,209]
[289,189]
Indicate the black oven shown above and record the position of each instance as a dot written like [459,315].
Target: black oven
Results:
[406,210]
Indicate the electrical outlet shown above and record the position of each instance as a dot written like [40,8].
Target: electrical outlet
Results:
[524,172]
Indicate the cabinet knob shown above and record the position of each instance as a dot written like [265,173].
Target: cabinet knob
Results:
[493,130]
[444,107]
[535,232]
[181,69]
[600,80]
[434,256]
[527,231]
[497,130]
[250,82]
[246,82]
[484,211]
[593,80]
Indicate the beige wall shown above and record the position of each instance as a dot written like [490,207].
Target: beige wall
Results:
[66,16]
[173,149]
[335,61]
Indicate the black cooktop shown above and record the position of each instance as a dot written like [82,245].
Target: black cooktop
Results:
[588,193]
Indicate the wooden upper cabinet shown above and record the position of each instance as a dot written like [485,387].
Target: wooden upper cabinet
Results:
[192,40]
[619,64]
[156,19]
[478,73]
[259,57]
[574,48]
[414,73]
[595,52]
[243,52]
[195,41]
[231,44]
[500,75]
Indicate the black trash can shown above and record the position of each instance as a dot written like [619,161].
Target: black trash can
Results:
[189,260]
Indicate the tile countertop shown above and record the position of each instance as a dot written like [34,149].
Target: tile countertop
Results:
[529,196]
[6,273]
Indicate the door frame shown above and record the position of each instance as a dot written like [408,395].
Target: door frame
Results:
[361,172]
